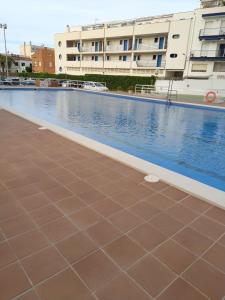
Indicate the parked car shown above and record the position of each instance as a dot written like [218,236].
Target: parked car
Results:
[95,86]
[72,83]
[62,83]
[28,81]
[11,81]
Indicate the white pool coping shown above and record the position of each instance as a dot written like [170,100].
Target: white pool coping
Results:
[191,186]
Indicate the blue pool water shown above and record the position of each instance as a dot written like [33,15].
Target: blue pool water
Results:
[187,140]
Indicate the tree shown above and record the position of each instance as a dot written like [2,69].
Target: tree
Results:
[29,69]
[3,62]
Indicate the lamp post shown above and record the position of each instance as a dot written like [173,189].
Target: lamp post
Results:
[4,27]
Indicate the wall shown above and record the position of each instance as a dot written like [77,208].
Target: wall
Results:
[194,86]
[178,46]
[43,60]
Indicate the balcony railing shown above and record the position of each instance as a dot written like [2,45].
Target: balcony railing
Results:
[91,49]
[117,49]
[211,33]
[150,64]
[208,55]
[145,47]
[211,3]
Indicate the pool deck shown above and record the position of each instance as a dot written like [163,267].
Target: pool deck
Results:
[76,225]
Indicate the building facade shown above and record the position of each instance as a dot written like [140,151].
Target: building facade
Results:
[181,45]
[19,63]
[43,61]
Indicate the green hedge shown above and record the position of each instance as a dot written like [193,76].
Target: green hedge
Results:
[123,83]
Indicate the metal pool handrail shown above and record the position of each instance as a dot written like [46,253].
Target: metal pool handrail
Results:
[151,89]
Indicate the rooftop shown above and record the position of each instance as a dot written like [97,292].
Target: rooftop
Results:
[75,224]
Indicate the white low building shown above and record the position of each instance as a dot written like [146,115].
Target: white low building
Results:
[180,45]
[19,64]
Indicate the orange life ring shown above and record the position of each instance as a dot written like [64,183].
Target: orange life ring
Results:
[210,97]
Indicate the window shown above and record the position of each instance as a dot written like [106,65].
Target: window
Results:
[175,36]
[59,43]
[199,68]
[219,67]
[72,57]
[123,58]
[108,57]
[92,58]
[69,44]
[108,43]
[137,57]
[16,64]
[60,69]
[154,57]
[140,40]
[156,40]
[23,64]
[95,58]
[60,56]
[121,42]
[93,43]
[173,55]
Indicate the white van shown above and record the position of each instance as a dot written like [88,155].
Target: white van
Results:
[95,86]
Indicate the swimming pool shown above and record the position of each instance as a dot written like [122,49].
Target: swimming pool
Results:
[185,139]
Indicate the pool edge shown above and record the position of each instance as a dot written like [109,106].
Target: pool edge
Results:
[128,97]
[193,187]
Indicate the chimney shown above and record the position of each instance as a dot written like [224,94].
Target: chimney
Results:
[68,28]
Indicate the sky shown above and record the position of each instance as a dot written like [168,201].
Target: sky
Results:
[39,20]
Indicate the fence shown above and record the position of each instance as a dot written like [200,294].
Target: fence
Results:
[48,82]
[157,92]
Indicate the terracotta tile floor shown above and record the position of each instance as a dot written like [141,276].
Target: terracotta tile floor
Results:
[77,225]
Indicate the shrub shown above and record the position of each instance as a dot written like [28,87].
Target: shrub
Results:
[112,82]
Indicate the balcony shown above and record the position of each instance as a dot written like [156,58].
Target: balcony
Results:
[118,64]
[211,3]
[91,64]
[212,34]
[208,55]
[69,63]
[148,48]
[91,49]
[117,49]
[73,45]
[150,64]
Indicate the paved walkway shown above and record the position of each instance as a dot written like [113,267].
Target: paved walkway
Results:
[75,225]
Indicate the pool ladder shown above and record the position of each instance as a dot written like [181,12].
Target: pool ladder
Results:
[170,92]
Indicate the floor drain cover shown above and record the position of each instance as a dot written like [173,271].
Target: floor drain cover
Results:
[152,178]
[42,128]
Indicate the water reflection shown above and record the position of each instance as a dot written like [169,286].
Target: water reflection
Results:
[189,141]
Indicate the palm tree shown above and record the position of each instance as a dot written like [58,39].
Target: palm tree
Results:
[3,62]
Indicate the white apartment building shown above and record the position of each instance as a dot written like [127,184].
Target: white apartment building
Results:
[180,45]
